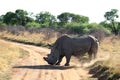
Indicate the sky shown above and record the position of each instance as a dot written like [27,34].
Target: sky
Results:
[94,9]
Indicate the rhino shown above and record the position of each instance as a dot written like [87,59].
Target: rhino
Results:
[66,46]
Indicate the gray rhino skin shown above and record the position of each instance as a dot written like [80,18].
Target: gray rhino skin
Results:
[66,46]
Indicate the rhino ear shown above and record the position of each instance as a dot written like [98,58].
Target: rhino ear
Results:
[48,54]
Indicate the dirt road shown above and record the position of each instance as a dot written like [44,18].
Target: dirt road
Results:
[33,67]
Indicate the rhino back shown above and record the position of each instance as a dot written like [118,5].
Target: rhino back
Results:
[70,45]
[81,44]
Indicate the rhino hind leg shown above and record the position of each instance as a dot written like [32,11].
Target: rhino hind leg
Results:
[90,55]
[95,51]
[59,61]
[67,60]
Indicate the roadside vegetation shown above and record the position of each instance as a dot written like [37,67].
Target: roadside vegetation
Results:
[111,45]
[108,68]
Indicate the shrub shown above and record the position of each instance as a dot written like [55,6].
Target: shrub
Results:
[76,27]
[2,24]
[33,24]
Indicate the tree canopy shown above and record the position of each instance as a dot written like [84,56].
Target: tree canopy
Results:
[45,18]
[67,17]
[19,17]
[111,17]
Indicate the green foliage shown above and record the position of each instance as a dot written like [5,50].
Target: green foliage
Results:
[75,22]
[45,19]
[22,18]
[107,31]
[77,27]
[111,17]
[64,18]
[67,17]
[2,24]
[18,18]
[99,27]
[93,26]
[33,24]
[79,19]
[119,26]
[86,27]
[10,18]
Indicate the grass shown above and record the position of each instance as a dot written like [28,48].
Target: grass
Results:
[108,68]
[41,38]
[9,55]
[111,45]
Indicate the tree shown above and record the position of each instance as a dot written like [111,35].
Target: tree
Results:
[22,17]
[1,21]
[79,19]
[45,19]
[64,18]
[111,17]
[18,18]
[10,18]
[67,17]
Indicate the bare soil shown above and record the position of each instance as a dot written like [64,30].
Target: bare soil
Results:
[33,67]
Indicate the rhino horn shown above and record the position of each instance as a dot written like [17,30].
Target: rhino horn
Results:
[45,58]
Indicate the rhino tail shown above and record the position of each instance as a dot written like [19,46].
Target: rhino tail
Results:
[97,41]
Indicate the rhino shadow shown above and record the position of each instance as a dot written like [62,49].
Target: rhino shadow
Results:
[47,67]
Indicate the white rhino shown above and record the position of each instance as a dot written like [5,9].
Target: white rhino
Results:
[67,46]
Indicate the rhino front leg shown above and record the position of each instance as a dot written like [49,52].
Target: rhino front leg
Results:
[59,61]
[67,60]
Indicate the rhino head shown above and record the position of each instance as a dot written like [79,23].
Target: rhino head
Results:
[53,57]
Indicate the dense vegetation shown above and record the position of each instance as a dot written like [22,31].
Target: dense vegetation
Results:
[75,22]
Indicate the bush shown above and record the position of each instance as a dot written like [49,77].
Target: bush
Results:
[76,27]
[93,26]
[2,24]
[33,24]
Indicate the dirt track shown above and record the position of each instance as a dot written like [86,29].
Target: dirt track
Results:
[33,67]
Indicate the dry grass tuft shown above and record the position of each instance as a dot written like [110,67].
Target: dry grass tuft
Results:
[111,46]
[9,54]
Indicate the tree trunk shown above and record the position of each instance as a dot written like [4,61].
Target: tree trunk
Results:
[114,29]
